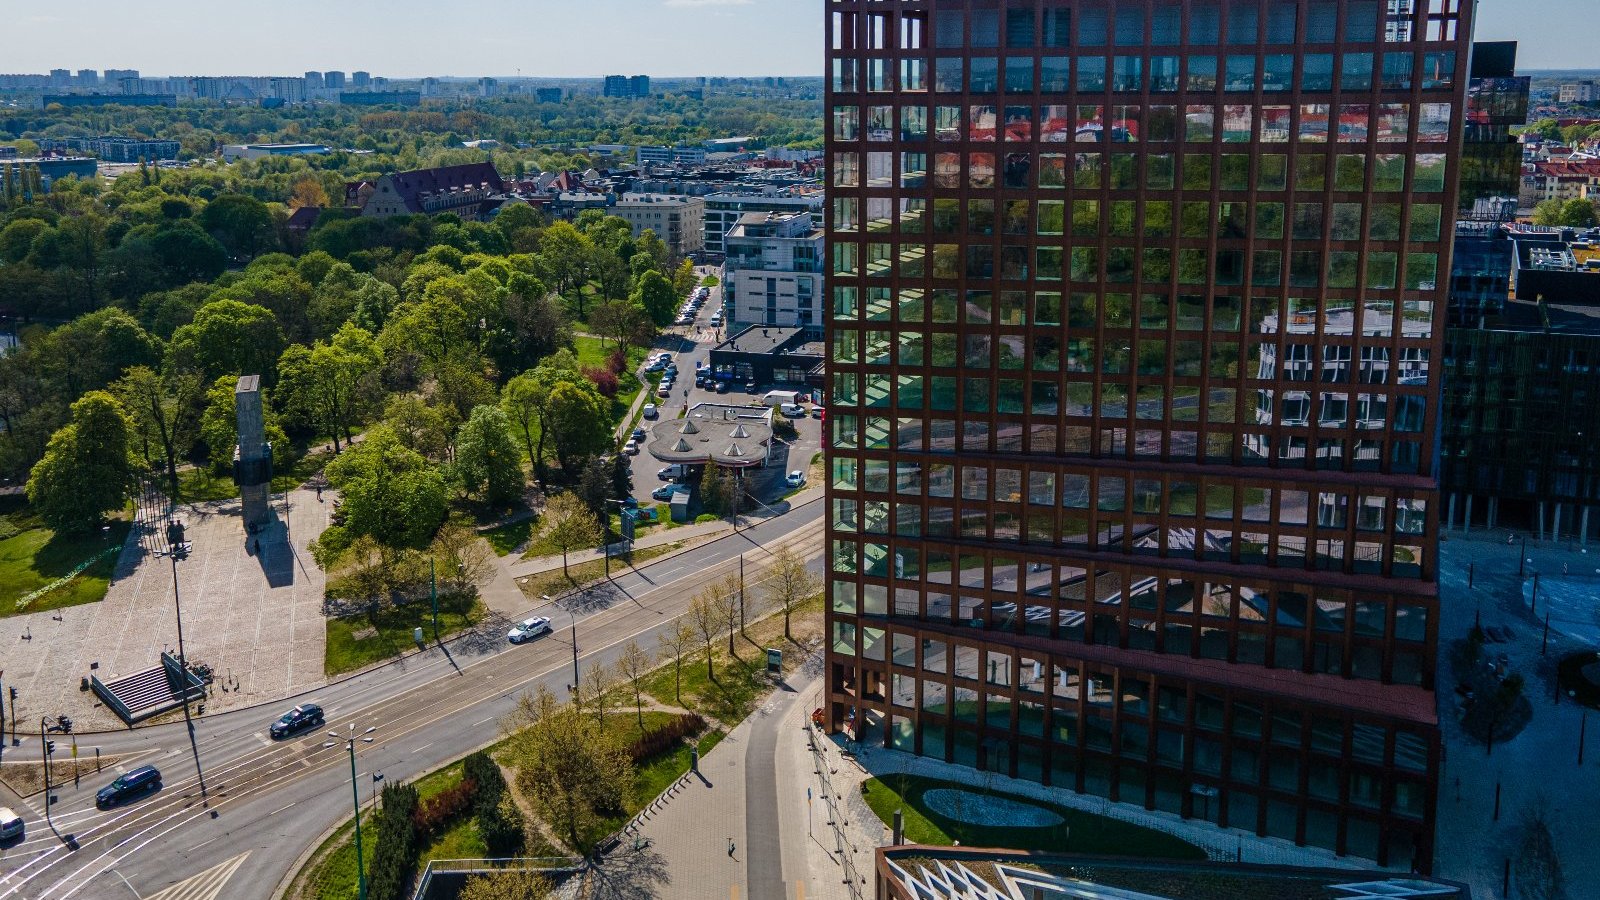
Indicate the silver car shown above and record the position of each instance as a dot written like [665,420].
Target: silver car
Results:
[528,629]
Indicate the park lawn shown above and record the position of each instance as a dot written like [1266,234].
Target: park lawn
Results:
[199,485]
[392,629]
[742,678]
[592,353]
[1080,832]
[505,539]
[556,581]
[32,557]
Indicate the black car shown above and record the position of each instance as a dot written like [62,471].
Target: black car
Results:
[136,783]
[306,715]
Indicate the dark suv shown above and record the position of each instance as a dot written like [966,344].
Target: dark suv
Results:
[306,715]
[136,783]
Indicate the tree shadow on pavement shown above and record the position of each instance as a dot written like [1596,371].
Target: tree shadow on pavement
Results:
[486,636]
[593,598]
[628,874]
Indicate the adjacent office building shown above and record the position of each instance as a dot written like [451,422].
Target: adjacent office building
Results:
[1134,316]
[773,272]
[626,87]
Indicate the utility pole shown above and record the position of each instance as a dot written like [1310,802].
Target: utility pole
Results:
[741,593]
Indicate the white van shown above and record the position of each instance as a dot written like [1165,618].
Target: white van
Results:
[11,825]
[780,398]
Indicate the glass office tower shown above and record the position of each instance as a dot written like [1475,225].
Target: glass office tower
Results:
[1133,314]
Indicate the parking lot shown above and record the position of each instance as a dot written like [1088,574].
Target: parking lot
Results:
[690,346]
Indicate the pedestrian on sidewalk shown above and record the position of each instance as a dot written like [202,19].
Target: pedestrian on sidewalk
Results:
[730,848]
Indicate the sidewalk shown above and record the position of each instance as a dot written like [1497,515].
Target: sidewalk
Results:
[752,792]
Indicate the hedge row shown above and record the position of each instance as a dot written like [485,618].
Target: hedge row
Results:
[668,736]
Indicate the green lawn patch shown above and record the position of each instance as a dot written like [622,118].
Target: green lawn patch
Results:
[361,640]
[201,486]
[32,558]
[1079,832]
[556,581]
[505,539]
[593,354]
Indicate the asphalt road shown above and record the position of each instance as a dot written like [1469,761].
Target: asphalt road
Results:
[272,801]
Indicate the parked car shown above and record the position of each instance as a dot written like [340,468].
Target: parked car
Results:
[667,491]
[795,479]
[135,783]
[676,470]
[683,320]
[649,411]
[302,717]
[11,825]
[665,390]
[793,410]
[817,412]
[722,387]
[528,629]
[638,435]
[631,447]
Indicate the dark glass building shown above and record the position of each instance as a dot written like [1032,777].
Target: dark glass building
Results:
[1134,312]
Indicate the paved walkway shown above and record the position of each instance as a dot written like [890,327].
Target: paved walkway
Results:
[1538,768]
[740,830]
[253,615]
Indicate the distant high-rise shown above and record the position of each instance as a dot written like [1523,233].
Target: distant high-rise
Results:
[334,79]
[60,78]
[114,77]
[314,81]
[88,78]
[360,80]
[627,87]
[1135,316]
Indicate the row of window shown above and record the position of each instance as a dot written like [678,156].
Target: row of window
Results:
[1151,219]
[1329,322]
[1330,509]
[1372,270]
[1367,640]
[1133,123]
[1129,532]
[1208,22]
[1342,172]
[1285,446]
[1271,73]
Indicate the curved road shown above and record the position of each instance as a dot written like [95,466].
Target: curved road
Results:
[270,801]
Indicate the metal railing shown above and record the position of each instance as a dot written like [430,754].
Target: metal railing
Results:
[844,851]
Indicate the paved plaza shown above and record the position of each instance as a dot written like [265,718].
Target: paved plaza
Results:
[253,615]
[1538,768]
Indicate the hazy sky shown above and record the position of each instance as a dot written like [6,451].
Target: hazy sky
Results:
[409,38]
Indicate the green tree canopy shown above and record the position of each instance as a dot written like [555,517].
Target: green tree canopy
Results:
[228,337]
[654,294]
[487,464]
[390,492]
[87,469]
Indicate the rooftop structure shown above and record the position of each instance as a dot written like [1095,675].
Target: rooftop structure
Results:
[262,151]
[734,437]
[462,190]
[679,221]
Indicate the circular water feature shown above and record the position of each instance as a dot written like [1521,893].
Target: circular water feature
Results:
[980,809]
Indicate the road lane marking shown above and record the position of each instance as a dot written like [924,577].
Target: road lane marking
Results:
[281,809]
[423,747]
[481,721]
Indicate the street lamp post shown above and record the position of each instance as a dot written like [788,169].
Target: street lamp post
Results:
[355,795]
[574,617]
[174,544]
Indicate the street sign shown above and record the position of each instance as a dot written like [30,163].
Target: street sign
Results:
[627,524]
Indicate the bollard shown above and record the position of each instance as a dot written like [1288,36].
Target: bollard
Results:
[899,828]
[694,760]
[97,759]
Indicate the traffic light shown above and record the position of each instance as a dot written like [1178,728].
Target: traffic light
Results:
[13,695]
[49,746]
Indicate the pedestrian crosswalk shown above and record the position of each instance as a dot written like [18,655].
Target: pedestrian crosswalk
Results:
[207,885]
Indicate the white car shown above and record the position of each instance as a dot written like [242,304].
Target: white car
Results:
[649,411]
[793,410]
[528,629]
[11,825]
[795,479]
[631,447]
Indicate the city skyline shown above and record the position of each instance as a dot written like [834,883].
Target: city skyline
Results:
[750,37]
